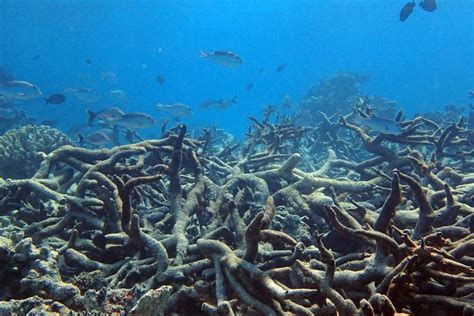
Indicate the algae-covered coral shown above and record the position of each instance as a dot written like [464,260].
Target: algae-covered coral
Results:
[20,149]
[373,225]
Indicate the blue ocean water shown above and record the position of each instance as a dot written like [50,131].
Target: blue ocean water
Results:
[422,63]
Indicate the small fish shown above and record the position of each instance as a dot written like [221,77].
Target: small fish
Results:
[109,77]
[223,58]
[249,86]
[287,102]
[176,110]
[407,10]
[260,71]
[19,90]
[5,76]
[8,114]
[160,79]
[135,121]
[119,96]
[220,104]
[428,5]
[378,124]
[471,94]
[49,122]
[36,57]
[470,121]
[56,98]
[88,61]
[87,95]
[98,138]
[106,115]
[280,67]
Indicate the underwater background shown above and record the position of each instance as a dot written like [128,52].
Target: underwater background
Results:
[423,63]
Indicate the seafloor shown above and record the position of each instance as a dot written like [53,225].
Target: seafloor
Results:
[332,219]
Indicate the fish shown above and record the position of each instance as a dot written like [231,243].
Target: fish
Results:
[86,95]
[106,115]
[260,71]
[5,76]
[176,110]
[470,121]
[135,120]
[56,98]
[36,57]
[280,67]
[49,122]
[407,10]
[119,96]
[19,90]
[223,58]
[109,77]
[287,102]
[428,5]
[160,79]
[220,104]
[98,138]
[88,61]
[378,124]
[8,114]
[471,94]
[249,86]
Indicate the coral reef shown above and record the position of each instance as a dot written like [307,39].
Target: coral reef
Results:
[21,149]
[372,224]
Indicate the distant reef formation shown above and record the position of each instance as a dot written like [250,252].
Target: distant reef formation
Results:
[329,219]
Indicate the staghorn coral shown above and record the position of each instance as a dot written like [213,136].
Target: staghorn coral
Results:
[21,149]
[266,228]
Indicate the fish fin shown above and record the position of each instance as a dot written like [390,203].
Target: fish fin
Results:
[234,99]
[47,101]
[203,54]
[91,117]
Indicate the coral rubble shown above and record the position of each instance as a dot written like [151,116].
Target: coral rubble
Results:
[280,225]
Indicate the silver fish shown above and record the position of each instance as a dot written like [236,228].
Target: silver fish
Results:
[135,121]
[223,58]
[107,115]
[176,110]
[98,138]
[8,114]
[84,94]
[119,96]
[378,124]
[19,90]
[221,104]
[109,77]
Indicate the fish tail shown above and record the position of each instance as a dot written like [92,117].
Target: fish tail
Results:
[46,101]
[203,54]
[81,139]
[91,117]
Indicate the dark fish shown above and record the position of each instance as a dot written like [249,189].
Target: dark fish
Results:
[428,5]
[249,86]
[56,98]
[471,94]
[36,57]
[280,67]
[88,61]
[407,10]
[260,71]
[160,79]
